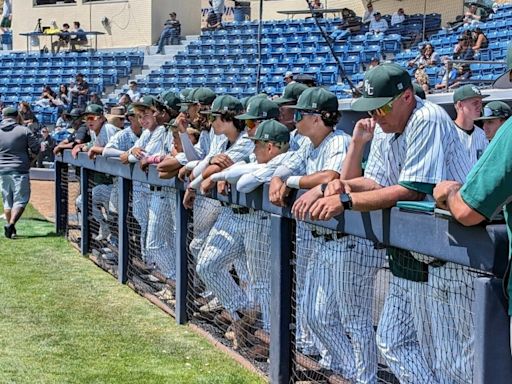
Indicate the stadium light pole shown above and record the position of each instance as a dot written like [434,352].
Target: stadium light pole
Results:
[260,27]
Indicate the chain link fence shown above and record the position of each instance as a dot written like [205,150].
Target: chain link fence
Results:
[360,311]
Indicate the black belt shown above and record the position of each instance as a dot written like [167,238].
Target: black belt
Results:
[437,263]
[328,236]
[155,188]
[236,210]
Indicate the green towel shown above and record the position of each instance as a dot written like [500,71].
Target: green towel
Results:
[417,206]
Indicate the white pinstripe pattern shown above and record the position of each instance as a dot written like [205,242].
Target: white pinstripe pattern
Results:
[141,198]
[475,143]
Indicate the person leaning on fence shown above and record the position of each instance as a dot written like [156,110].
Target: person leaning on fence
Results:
[17,144]
[414,145]
[101,133]
[485,193]
[493,117]
[79,135]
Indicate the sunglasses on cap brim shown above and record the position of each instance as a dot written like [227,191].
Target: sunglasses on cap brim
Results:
[301,113]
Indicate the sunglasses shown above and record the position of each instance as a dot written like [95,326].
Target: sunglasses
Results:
[385,109]
[489,112]
[250,123]
[299,115]
[92,117]
[212,118]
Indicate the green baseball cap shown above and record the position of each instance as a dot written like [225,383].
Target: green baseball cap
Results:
[147,102]
[94,109]
[260,108]
[291,93]
[317,99]
[272,130]
[201,95]
[184,93]
[381,85]
[225,103]
[496,110]
[169,100]
[467,91]
[130,111]
[75,113]
[9,112]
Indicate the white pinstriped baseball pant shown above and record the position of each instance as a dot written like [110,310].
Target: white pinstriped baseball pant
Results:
[140,202]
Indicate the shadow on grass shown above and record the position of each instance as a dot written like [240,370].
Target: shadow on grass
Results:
[50,234]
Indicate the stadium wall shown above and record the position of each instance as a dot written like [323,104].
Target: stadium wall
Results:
[132,22]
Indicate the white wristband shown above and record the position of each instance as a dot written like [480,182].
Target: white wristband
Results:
[293,182]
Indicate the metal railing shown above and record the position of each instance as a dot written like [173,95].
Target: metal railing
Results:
[474,261]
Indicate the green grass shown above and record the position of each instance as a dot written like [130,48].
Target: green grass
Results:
[63,320]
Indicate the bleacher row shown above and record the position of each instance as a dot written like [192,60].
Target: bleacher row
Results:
[22,75]
[226,60]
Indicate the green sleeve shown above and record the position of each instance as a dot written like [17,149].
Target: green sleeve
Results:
[426,188]
[489,184]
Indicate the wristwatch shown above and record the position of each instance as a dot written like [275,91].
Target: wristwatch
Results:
[346,201]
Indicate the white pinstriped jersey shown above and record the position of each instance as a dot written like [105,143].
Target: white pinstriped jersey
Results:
[122,140]
[329,155]
[240,150]
[475,142]
[160,142]
[427,151]
[144,138]
[106,132]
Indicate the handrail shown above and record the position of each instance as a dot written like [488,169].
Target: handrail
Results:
[481,247]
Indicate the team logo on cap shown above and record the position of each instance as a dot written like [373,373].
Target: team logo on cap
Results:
[368,88]
[476,90]
[313,105]
[266,136]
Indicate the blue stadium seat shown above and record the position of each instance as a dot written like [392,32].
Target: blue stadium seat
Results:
[392,43]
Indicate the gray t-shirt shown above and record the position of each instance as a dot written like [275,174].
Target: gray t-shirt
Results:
[15,143]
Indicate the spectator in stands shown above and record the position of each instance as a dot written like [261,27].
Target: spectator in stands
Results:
[471,17]
[480,41]
[316,4]
[398,17]
[95,99]
[80,134]
[63,41]
[46,144]
[77,37]
[426,58]
[27,116]
[214,19]
[47,95]
[422,79]
[378,26]
[447,74]
[463,49]
[463,75]
[79,92]
[124,100]
[172,31]
[133,92]
[16,145]
[63,95]
[288,78]
[6,16]
[63,122]
[341,32]
[494,115]
[368,14]
[116,117]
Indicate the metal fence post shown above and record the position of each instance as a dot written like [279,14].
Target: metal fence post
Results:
[61,198]
[84,207]
[125,185]
[281,302]
[181,224]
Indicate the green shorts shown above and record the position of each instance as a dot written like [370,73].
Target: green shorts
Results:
[6,23]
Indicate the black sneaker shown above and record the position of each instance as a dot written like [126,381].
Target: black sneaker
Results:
[9,231]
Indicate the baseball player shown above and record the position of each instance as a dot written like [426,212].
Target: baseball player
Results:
[414,145]
[468,105]
[316,116]
[101,132]
[452,292]
[494,115]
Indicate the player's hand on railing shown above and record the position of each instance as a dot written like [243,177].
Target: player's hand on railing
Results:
[223,187]
[278,191]
[188,198]
[124,157]
[335,187]
[443,189]
[206,185]
[301,206]
[183,173]
[326,208]
[76,149]
[144,164]
[138,152]
[222,160]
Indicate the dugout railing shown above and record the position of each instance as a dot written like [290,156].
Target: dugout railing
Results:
[468,327]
